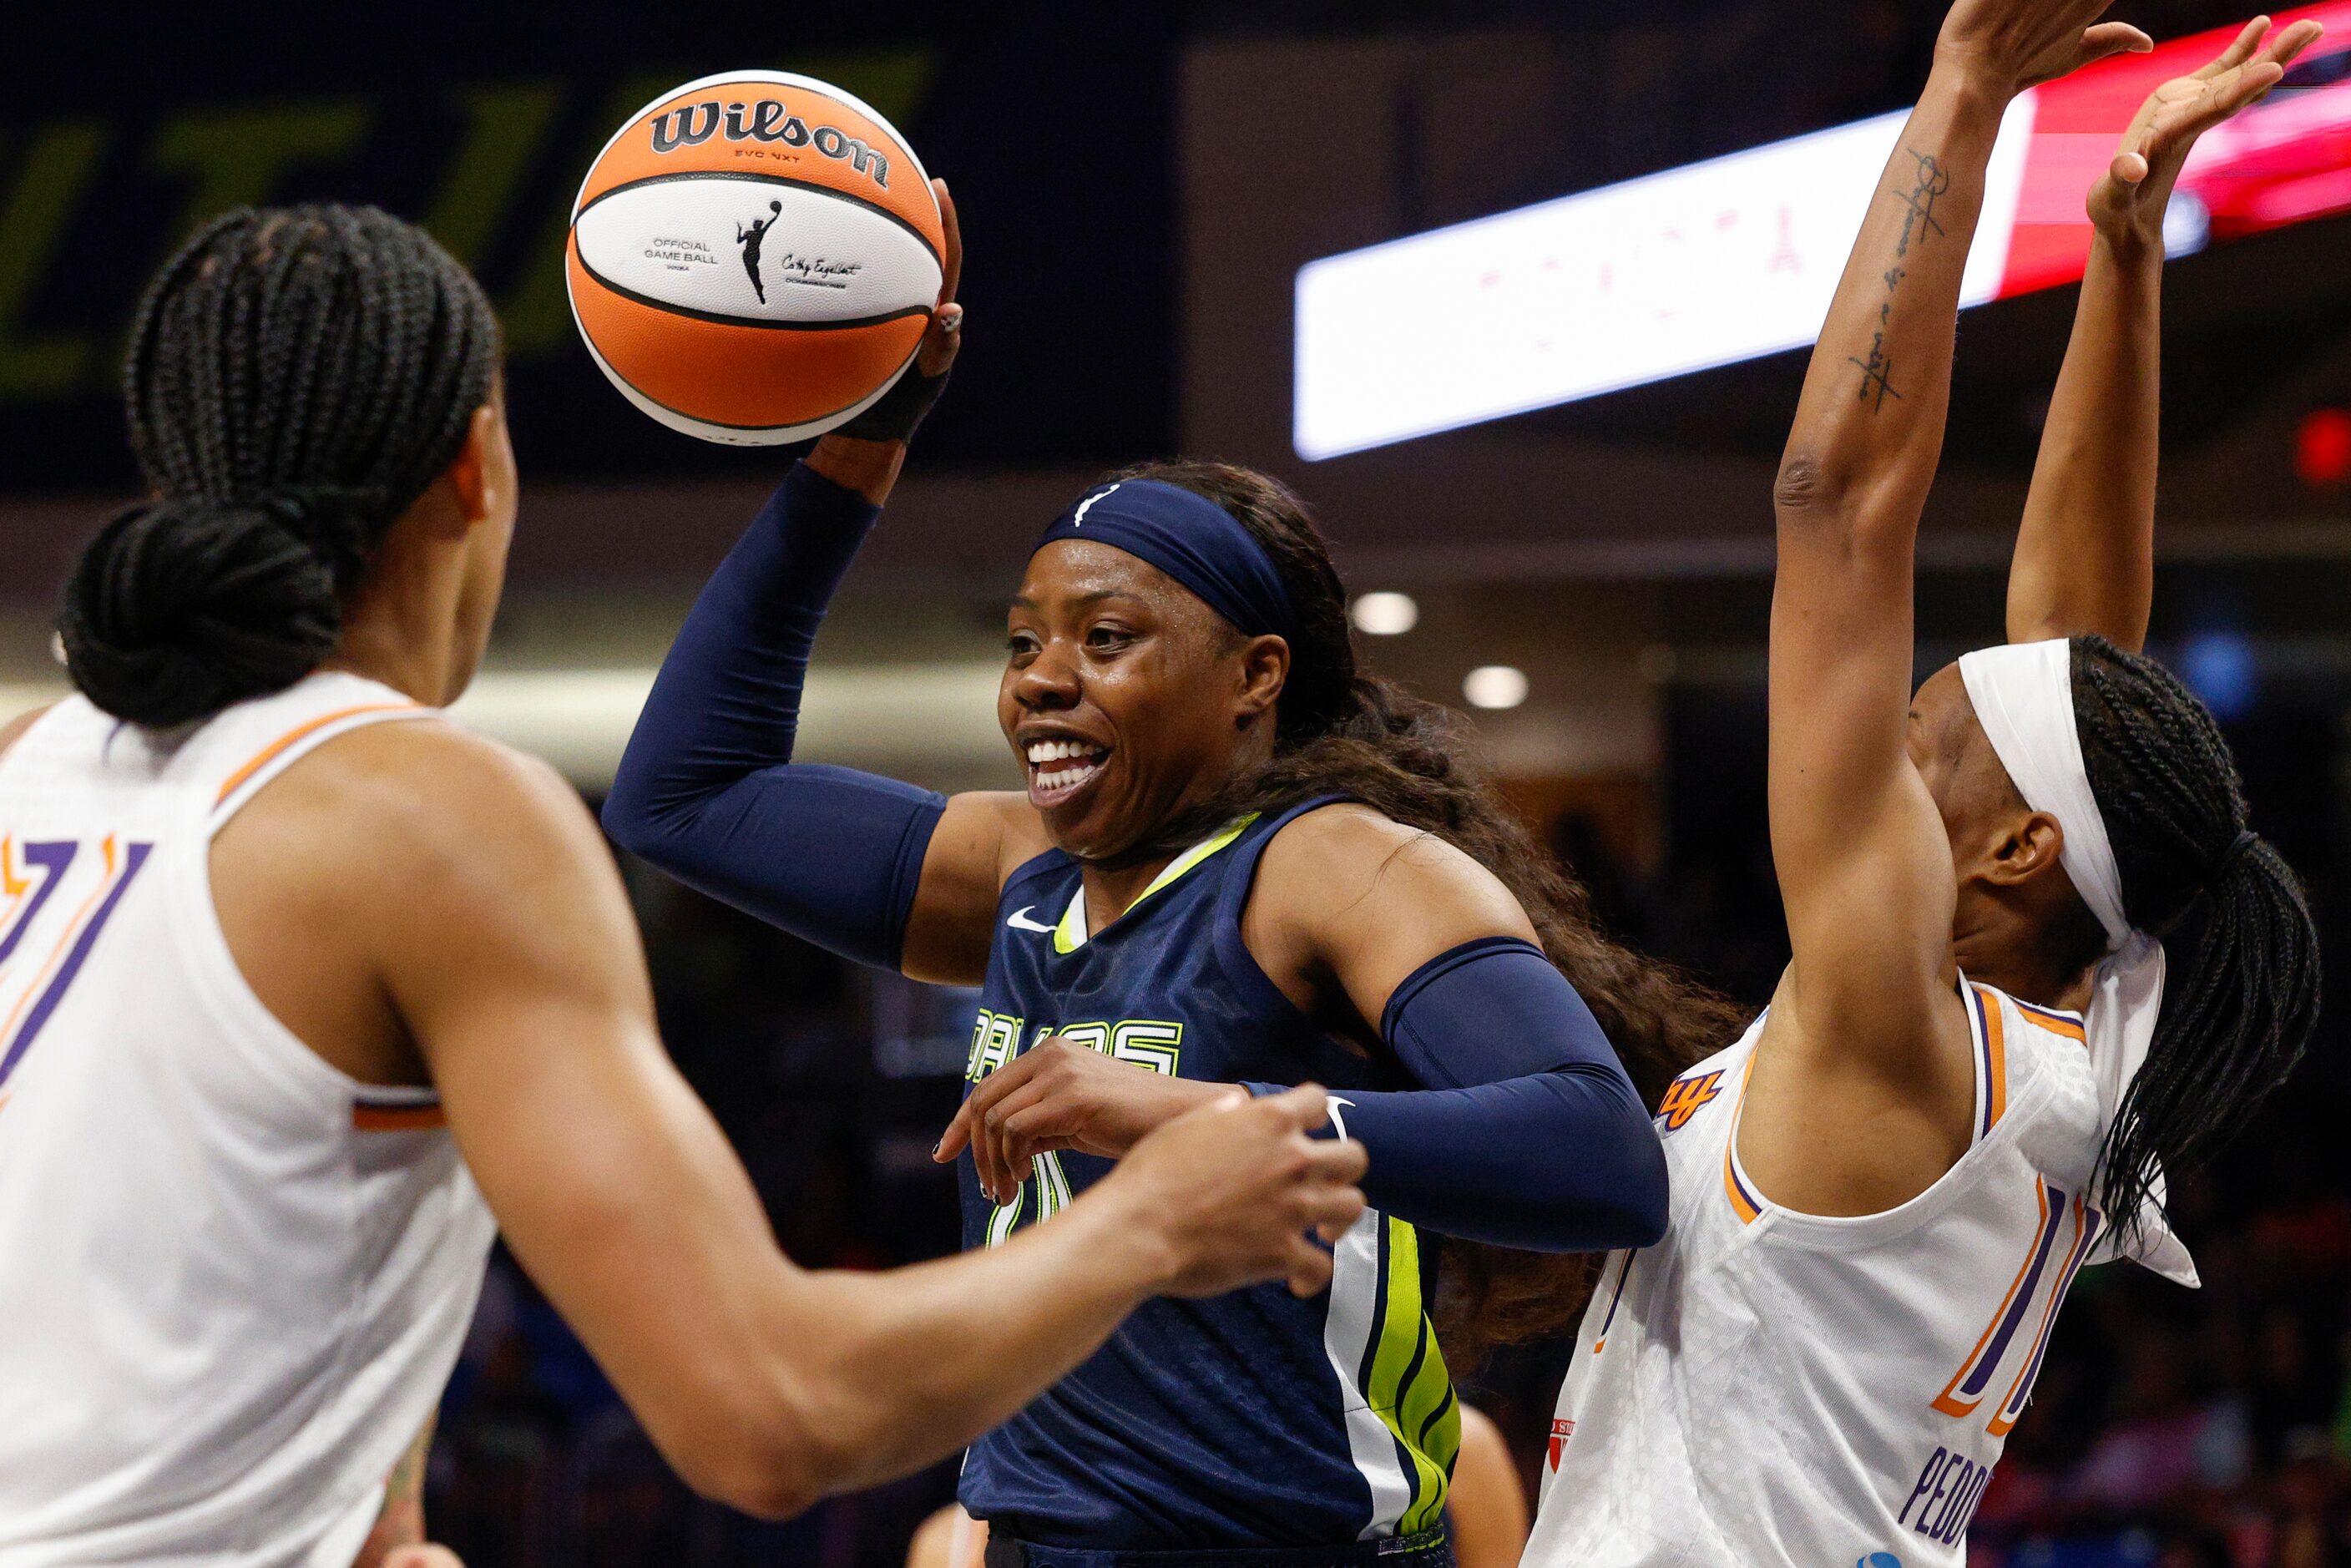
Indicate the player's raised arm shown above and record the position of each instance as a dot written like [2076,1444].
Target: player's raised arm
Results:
[765,1385]
[1853,827]
[872,869]
[2085,553]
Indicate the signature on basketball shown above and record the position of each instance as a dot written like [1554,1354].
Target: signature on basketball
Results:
[816,271]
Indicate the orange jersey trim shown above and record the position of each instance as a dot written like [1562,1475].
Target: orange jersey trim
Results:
[397,1118]
[1945,1401]
[2002,1420]
[1742,1203]
[2055,1022]
[276,749]
[1995,1062]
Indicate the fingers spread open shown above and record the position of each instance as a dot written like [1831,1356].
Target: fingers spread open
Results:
[2248,39]
[2250,83]
[2294,40]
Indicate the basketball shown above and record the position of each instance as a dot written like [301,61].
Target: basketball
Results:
[754,258]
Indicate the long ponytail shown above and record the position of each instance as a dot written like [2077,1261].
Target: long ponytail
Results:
[1343,731]
[2240,997]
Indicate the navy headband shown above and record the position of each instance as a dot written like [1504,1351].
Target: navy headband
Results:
[1193,540]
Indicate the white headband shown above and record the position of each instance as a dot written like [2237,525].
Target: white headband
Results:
[2023,697]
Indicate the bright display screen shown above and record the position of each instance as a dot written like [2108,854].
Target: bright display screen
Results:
[1737,257]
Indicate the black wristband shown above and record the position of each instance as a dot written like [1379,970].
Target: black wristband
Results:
[901,409]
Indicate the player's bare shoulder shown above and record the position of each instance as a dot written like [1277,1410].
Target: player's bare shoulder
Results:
[14,730]
[1349,862]
[393,853]
[394,804]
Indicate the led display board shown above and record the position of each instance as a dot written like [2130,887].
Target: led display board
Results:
[1737,257]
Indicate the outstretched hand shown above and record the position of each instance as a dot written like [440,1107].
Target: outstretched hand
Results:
[2130,196]
[2024,43]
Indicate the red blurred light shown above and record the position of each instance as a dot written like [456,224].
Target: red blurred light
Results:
[2321,447]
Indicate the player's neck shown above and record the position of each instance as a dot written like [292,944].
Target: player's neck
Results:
[1111,891]
[2007,954]
[401,626]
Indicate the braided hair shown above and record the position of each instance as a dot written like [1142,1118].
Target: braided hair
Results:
[297,377]
[1341,730]
[2241,997]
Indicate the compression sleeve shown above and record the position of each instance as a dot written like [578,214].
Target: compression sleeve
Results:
[707,790]
[1528,1133]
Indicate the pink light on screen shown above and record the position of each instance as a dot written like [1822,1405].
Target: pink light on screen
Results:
[2075,123]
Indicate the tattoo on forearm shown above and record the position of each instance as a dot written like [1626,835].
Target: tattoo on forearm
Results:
[1876,373]
[1877,366]
[1933,180]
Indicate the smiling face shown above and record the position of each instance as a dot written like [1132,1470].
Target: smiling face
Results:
[1127,698]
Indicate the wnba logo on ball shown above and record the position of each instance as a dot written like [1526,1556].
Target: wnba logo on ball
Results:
[766,120]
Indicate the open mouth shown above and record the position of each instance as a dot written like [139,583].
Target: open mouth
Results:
[1058,769]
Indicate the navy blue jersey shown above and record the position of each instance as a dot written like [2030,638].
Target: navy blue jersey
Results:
[1252,1419]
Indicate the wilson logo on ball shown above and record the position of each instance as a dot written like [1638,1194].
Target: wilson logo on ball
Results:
[755,257]
[765,120]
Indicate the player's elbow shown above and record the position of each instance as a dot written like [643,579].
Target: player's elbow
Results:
[769,1474]
[748,1435]
[1633,1209]
[634,819]
[1808,491]
[1648,1198]
[1866,510]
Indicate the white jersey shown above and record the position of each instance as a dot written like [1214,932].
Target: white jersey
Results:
[233,1279]
[1768,1387]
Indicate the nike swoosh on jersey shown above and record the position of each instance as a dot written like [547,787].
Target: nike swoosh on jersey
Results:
[1019,921]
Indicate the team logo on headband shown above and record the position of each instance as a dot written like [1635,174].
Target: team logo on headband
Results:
[1079,521]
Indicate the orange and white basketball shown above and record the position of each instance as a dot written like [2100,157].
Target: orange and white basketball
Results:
[755,257]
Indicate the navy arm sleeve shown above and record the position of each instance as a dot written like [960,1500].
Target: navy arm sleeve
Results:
[1529,1134]
[707,789]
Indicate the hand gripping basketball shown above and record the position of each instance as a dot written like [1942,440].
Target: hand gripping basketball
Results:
[902,408]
